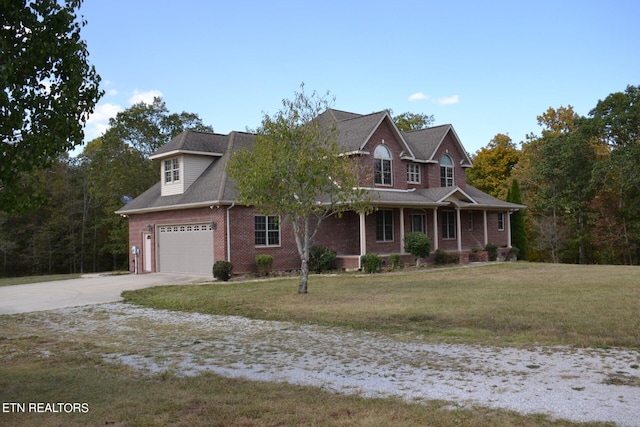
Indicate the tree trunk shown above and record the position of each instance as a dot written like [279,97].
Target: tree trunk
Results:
[304,276]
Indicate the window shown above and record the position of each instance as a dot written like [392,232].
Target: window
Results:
[448,225]
[418,222]
[501,221]
[413,173]
[446,171]
[171,170]
[382,165]
[267,230]
[470,220]
[384,226]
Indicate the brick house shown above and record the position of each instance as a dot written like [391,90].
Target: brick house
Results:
[189,219]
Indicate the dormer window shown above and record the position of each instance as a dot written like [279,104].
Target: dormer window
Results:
[171,170]
[382,165]
[446,171]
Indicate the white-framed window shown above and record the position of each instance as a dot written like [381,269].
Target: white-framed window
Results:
[448,225]
[446,171]
[382,170]
[267,230]
[413,173]
[384,225]
[500,221]
[418,221]
[171,170]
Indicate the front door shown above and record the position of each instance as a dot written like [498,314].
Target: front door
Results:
[147,252]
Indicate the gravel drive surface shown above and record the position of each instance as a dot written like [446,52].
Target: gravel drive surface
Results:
[575,384]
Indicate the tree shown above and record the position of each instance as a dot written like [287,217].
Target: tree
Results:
[49,88]
[148,126]
[407,122]
[518,231]
[615,121]
[493,165]
[295,169]
[418,245]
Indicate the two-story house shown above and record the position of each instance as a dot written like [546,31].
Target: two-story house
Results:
[190,219]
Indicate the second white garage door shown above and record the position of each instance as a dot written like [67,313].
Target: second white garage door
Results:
[185,248]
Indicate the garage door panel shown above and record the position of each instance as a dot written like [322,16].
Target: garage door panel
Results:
[186,248]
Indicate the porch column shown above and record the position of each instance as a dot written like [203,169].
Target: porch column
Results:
[459,229]
[435,229]
[509,229]
[486,232]
[363,235]
[402,230]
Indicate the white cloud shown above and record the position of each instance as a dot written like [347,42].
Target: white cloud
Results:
[418,96]
[448,100]
[98,122]
[146,97]
[112,92]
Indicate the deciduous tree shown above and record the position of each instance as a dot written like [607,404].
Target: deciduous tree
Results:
[493,165]
[48,87]
[407,122]
[296,169]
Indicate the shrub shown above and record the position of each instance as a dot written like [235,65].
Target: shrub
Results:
[417,244]
[264,262]
[222,270]
[394,259]
[321,259]
[443,257]
[371,263]
[492,250]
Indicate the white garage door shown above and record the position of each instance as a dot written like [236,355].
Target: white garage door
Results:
[185,248]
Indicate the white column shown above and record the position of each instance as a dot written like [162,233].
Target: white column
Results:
[363,239]
[459,230]
[486,232]
[508,229]
[435,229]
[402,230]
[363,235]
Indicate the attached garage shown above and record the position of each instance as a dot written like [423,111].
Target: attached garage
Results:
[185,248]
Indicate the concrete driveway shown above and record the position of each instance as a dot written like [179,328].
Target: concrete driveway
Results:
[90,289]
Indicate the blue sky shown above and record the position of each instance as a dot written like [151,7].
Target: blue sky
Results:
[485,67]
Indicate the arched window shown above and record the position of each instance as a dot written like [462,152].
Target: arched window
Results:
[446,171]
[382,165]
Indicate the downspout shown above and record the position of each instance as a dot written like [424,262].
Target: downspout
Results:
[229,231]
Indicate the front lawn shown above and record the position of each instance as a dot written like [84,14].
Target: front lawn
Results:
[499,304]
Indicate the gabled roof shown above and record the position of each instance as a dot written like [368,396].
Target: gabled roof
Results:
[426,142]
[193,142]
[210,188]
[355,130]
[213,188]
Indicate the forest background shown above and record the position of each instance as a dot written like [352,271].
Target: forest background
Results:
[578,176]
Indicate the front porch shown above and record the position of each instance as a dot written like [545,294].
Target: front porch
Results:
[453,229]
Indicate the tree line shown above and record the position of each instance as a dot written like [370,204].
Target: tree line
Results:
[65,222]
[579,178]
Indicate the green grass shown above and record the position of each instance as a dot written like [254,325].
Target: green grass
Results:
[48,369]
[511,304]
[10,281]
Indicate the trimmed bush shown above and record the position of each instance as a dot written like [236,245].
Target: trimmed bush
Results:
[222,270]
[394,259]
[321,259]
[371,263]
[443,258]
[264,262]
[492,250]
[417,244]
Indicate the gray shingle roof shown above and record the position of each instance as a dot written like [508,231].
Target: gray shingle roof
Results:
[212,187]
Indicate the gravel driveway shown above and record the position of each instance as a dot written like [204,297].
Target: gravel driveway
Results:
[574,384]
